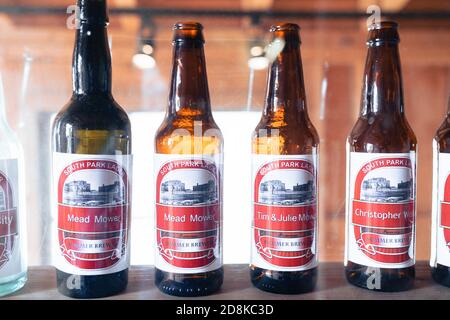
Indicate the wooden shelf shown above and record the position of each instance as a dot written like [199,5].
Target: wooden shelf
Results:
[331,285]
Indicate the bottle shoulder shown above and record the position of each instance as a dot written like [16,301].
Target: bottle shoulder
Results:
[442,136]
[10,146]
[92,113]
[187,126]
[382,135]
[180,135]
[291,138]
[92,125]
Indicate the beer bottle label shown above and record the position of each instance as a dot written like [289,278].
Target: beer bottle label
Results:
[440,243]
[380,217]
[11,262]
[284,228]
[92,193]
[188,213]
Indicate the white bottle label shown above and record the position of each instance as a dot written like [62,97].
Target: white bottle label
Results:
[11,261]
[188,213]
[441,211]
[92,195]
[284,228]
[380,220]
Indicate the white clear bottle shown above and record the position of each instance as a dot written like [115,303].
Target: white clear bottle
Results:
[13,257]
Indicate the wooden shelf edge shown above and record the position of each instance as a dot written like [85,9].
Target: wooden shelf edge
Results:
[331,285]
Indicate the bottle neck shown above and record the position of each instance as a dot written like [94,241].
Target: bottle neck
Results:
[189,88]
[382,88]
[91,61]
[286,89]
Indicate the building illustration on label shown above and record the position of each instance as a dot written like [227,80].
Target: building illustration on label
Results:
[3,201]
[379,189]
[8,221]
[285,205]
[93,213]
[275,192]
[79,193]
[174,192]
[188,213]
[383,210]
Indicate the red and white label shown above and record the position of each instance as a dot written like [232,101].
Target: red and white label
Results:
[11,261]
[188,213]
[381,209]
[440,238]
[284,229]
[93,212]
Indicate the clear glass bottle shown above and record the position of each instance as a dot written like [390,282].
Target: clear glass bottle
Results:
[13,257]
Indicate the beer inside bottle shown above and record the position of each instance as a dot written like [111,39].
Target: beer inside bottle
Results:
[381,175]
[92,170]
[188,172]
[284,176]
[440,227]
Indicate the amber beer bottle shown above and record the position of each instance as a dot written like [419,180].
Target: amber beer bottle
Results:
[381,174]
[440,225]
[92,170]
[284,176]
[188,173]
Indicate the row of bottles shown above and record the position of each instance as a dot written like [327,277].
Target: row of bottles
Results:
[92,170]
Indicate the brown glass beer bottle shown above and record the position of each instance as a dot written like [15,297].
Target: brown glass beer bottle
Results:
[440,223]
[284,176]
[188,173]
[381,174]
[92,165]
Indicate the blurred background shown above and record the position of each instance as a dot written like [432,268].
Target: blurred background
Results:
[35,61]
